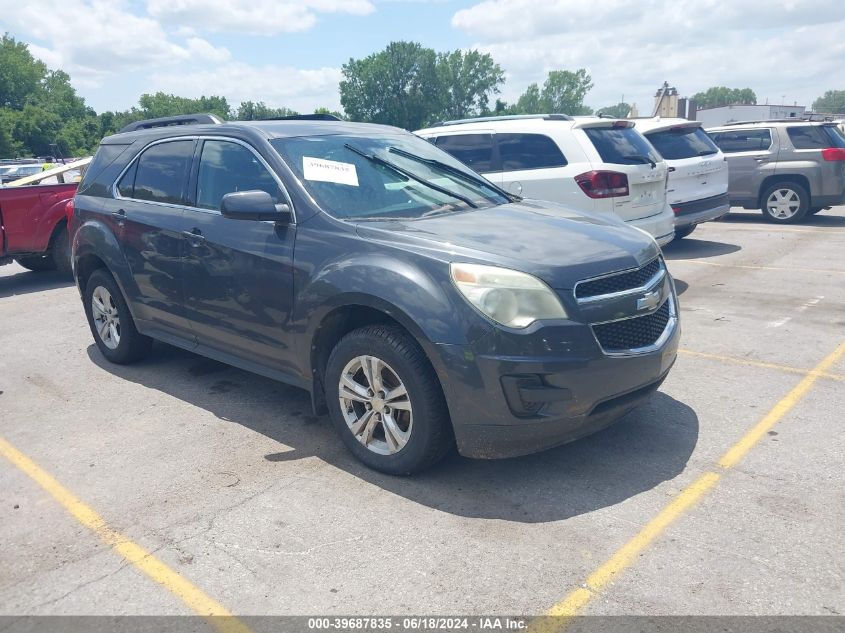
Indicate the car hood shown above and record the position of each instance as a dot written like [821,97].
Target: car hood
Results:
[550,241]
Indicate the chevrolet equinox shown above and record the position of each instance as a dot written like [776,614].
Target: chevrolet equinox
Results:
[419,304]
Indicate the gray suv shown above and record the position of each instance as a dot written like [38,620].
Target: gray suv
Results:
[788,169]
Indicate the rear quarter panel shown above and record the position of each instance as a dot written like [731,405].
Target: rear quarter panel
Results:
[30,214]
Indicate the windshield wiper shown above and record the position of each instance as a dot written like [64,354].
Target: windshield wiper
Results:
[404,172]
[641,158]
[451,170]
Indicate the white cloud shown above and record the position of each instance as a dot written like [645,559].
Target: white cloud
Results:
[259,17]
[631,47]
[90,39]
[277,86]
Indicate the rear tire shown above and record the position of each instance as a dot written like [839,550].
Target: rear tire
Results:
[785,202]
[684,232]
[36,263]
[400,434]
[111,322]
[60,252]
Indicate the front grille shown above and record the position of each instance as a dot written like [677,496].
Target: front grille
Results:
[618,283]
[643,331]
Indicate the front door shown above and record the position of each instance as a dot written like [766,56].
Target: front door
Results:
[237,274]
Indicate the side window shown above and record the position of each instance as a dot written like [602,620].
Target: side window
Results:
[733,141]
[126,186]
[528,151]
[226,167]
[475,150]
[807,137]
[162,172]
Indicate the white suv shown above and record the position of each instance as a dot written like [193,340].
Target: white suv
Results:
[698,171]
[588,163]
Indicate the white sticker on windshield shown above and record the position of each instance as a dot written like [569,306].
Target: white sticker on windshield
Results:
[329,171]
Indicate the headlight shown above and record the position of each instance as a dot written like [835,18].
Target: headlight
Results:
[509,297]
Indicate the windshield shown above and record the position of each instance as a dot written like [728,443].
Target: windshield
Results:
[400,176]
[682,142]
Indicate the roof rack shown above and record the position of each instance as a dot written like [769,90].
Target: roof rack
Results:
[794,119]
[166,121]
[508,117]
[317,116]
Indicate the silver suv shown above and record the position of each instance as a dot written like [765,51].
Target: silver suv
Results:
[788,169]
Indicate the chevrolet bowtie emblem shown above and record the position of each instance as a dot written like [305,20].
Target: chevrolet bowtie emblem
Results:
[648,301]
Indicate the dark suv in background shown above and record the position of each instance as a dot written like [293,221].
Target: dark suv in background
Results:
[788,169]
[421,305]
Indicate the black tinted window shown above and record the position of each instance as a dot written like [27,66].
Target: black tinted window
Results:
[475,150]
[226,167]
[126,185]
[734,141]
[528,151]
[808,137]
[835,136]
[621,145]
[162,171]
[682,142]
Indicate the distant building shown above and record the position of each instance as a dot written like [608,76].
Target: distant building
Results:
[667,104]
[712,117]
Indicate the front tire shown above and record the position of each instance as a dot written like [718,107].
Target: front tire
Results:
[386,401]
[785,203]
[111,322]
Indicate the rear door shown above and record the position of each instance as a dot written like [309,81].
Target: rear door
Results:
[533,166]
[148,215]
[476,149]
[698,169]
[752,155]
[617,147]
[237,274]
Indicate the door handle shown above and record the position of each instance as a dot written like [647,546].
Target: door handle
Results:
[120,216]
[762,159]
[194,237]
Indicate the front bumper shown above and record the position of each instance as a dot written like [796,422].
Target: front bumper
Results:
[698,211]
[661,226]
[572,388]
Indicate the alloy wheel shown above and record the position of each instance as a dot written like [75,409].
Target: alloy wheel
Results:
[375,405]
[106,318]
[783,203]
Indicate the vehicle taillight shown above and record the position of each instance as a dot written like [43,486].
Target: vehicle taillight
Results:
[603,184]
[69,209]
[833,153]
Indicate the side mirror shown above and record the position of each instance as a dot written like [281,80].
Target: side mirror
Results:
[253,205]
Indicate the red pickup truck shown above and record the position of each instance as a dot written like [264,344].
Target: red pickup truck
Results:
[33,219]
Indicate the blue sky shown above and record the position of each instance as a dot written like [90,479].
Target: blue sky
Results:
[289,53]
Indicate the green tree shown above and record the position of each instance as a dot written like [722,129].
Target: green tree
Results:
[832,101]
[467,81]
[252,111]
[20,73]
[160,104]
[396,86]
[321,110]
[618,111]
[721,96]
[564,92]
[530,101]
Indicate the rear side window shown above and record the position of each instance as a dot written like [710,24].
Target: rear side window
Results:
[808,137]
[682,142]
[226,167]
[161,173]
[835,134]
[475,150]
[621,145]
[735,141]
[528,151]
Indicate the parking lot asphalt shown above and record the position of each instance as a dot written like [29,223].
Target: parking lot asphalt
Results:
[118,483]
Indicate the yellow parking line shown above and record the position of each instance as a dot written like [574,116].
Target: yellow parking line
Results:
[825,271]
[183,589]
[756,363]
[576,600]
